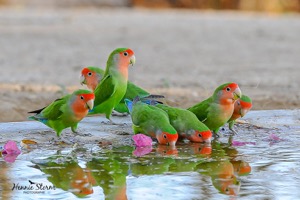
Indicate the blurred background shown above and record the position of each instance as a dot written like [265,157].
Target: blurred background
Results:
[241,5]
[184,48]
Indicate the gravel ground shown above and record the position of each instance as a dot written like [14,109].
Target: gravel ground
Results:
[182,54]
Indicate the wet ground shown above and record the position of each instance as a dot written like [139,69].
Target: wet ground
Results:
[261,162]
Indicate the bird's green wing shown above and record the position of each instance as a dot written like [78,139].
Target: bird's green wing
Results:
[201,109]
[155,110]
[104,90]
[133,91]
[171,112]
[137,129]
[147,113]
[55,109]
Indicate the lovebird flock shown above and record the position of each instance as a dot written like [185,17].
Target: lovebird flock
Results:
[108,90]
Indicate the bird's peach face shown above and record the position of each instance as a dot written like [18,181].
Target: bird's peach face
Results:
[89,78]
[127,57]
[167,138]
[245,107]
[200,136]
[86,100]
[230,93]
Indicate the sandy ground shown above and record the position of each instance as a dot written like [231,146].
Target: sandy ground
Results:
[181,54]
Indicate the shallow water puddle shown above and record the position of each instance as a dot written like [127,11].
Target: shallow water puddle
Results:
[259,163]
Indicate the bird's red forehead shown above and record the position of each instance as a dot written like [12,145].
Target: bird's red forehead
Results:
[245,104]
[129,51]
[88,96]
[231,85]
[205,134]
[85,70]
[171,137]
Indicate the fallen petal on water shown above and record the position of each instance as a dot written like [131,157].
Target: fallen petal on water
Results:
[237,143]
[141,140]
[11,148]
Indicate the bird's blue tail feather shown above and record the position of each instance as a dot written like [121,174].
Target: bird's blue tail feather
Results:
[40,119]
[129,104]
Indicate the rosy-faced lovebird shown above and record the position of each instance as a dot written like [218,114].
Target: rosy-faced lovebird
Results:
[112,87]
[216,110]
[91,77]
[66,112]
[241,107]
[187,124]
[151,121]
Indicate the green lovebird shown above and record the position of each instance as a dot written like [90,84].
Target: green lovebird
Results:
[151,121]
[91,77]
[187,124]
[241,107]
[216,110]
[66,112]
[112,88]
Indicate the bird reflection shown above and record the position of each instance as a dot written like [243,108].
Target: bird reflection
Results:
[109,169]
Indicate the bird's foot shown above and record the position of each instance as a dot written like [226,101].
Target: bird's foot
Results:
[74,129]
[234,132]
[61,141]
[82,134]
[231,132]
[230,139]
[110,122]
[117,114]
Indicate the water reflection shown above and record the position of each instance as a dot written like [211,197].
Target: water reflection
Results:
[110,169]
[221,169]
[4,181]
[66,174]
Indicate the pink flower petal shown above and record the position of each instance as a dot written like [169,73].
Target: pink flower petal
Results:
[142,140]
[237,143]
[11,148]
[140,151]
[274,137]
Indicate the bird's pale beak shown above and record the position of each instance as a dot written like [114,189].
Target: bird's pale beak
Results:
[172,143]
[243,112]
[82,80]
[132,60]
[237,93]
[90,104]
[208,140]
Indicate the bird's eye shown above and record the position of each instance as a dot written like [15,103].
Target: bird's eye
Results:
[228,89]
[81,97]
[90,74]
[239,103]
[125,53]
[199,135]
[165,136]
